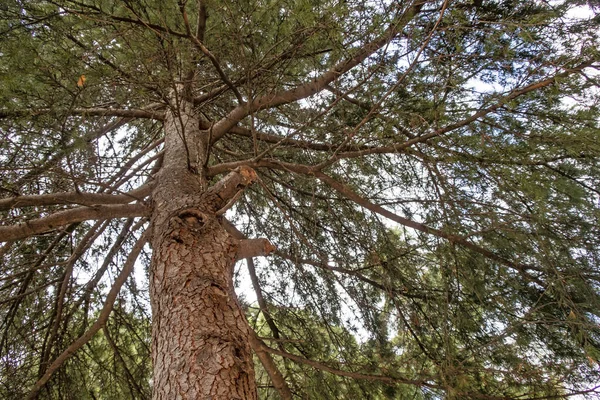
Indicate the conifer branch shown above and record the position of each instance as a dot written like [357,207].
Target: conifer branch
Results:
[100,322]
[61,218]
[356,375]
[314,86]
[266,360]
[79,198]
[89,112]
[453,238]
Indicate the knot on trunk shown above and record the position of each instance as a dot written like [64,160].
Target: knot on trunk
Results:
[185,222]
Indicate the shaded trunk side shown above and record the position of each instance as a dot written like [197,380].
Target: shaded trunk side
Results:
[200,347]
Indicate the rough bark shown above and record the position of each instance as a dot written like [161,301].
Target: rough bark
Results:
[200,339]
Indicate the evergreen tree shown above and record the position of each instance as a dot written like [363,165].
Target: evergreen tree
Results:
[410,189]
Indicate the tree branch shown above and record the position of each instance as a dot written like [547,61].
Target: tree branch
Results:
[387,288]
[86,199]
[248,248]
[102,112]
[314,86]
[198,43]
[201,23]
[117,353]
[62,218]
[233,231]
[347,192]
[265,358]
[281,140]
[100,322]
[356,375]
[57,311]
[481,113]
[229,186]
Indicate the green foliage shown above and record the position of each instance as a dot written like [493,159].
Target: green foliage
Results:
[477,124]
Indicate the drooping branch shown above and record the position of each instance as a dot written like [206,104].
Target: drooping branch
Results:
[361,201]
[265,358]
[87,199]
[10,315]
[474,117]
[92,10]
[84,298]
[62,218]
[388,288]
[100,322]
[63,151]
[349,193]
[126,168]
[131,379]
[57,311]
[350,151]
[356,375]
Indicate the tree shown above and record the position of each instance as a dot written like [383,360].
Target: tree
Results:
[422,175]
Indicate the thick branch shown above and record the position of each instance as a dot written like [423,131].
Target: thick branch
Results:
[314,86]
[346,191]
[218,68]
[202,17]
[86,199]
[349,193]
[228,187]
[285,141]
[62,218]
[346,153]
[253,248]
[106,310]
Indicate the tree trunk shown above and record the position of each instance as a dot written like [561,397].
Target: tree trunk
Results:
[200,339]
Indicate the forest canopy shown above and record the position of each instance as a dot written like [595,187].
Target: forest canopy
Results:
[299,199]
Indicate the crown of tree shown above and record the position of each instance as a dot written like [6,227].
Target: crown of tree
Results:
[299,199]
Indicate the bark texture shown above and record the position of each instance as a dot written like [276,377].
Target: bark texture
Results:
[200,337]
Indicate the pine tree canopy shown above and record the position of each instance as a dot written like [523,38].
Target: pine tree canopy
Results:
[299,199]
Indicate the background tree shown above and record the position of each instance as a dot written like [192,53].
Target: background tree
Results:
[427,170]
